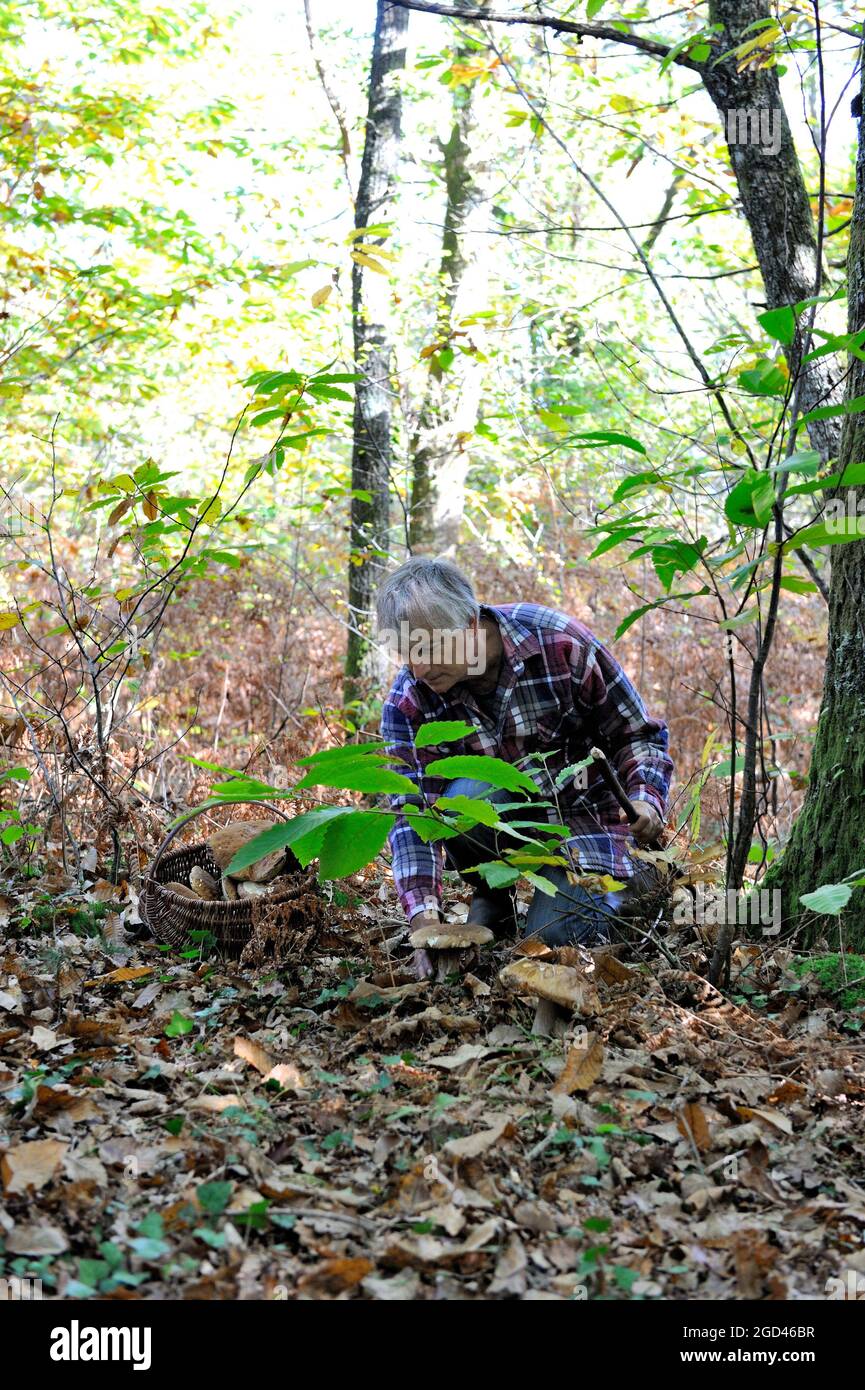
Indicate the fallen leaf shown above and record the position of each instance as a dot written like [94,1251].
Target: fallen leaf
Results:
[334,1276]
[583,1066]
[37,1239]
[117,977]
[253,1053]
[474,1144]
[31,1166]
[773,1118]
[692,1124]
[288,1076]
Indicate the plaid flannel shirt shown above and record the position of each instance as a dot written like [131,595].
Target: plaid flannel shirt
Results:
[560,693]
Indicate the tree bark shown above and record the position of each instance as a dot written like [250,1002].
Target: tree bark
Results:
[773,195]
[450,406]
[373,348]
[827,844]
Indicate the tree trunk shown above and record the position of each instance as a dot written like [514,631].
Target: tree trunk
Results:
[373,350]
[450,407]
[773,194]
[827,843]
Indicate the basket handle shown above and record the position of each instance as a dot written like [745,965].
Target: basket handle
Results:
[241,801]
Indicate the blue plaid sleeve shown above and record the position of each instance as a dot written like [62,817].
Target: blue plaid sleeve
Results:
[636,743]
[417,867]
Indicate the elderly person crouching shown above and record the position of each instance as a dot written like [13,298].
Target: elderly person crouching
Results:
[530,680]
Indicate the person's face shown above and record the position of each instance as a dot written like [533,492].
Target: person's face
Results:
[441,658]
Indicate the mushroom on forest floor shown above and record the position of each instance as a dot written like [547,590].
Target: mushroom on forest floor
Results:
[446,941]
[561,991]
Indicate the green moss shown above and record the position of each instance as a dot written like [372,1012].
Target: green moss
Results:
[832,972]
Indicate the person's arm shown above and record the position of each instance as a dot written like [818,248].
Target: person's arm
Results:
[636,743]
[417,867]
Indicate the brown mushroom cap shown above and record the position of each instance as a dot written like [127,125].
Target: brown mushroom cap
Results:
[449,936]
[224,844]
[203,884]
[181,890]
[561,984]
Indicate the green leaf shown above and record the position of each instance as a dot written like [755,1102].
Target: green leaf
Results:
[498,875]
[329,393]
[635,482]
[820,534]
[178,1026]
[617,537]
[740,620]
[347,753]
[352,842]
[805,461]
[595,438]
[831,899]
[494,771]
[264,417]
[766,379]
[287,833]
[594,7]
[826,412]
[543,885]
[360,776]
[647,608]
[479,811]
[442,731]
[750,502]
[214,1197]
[794,585]
[780,324]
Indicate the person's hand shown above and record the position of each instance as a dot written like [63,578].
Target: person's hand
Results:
[421,962]
[648,826]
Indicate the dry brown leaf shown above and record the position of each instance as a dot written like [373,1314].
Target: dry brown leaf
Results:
[610,970]
[334,1276]
[288,1076]
[474,1144]
[583,1066]
[117,977]
[531,946]
[693,1125]
[254,1054]
[31,1166]
[41,1238]
[773,1118]
[215,1104]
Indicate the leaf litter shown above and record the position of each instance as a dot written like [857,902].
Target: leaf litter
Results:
[325,1127]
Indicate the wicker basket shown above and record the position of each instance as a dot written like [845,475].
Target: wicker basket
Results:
[171,917]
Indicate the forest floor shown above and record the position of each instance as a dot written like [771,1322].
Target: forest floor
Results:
[323,1126]
[319,1125]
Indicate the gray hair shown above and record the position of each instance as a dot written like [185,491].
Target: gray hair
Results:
[426,594]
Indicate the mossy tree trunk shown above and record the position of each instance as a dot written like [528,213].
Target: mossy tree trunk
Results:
[371,463]
[827,843]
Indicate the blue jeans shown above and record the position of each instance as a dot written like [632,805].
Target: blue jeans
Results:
[572,916]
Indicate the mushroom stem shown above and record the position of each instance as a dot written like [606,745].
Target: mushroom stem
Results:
[447,962]
[550,1021]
